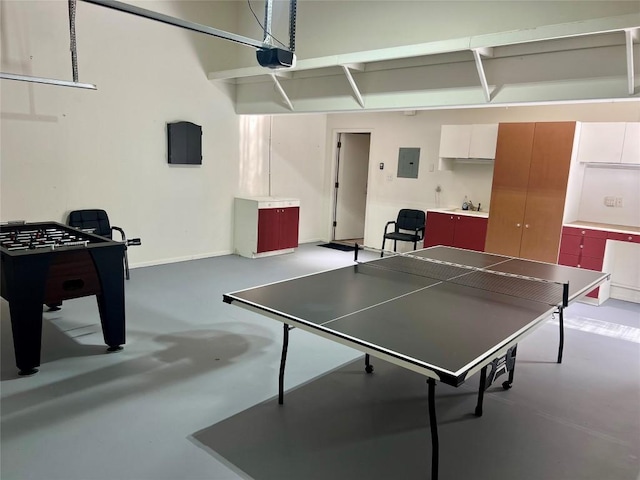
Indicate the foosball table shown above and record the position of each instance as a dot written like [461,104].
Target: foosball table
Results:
[48,262]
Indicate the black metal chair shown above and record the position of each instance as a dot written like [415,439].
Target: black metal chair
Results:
[408,227]
[97,221]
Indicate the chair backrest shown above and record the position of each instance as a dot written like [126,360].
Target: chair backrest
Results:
[410,219]
[96,219]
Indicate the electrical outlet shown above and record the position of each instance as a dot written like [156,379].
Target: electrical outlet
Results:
[609,201]
[619,202]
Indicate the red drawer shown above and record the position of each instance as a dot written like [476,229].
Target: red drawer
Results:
[591,263]
[570,244]
[595,233]
[593,246]
[572,231]
[624,237]
[568,259]
[594,293]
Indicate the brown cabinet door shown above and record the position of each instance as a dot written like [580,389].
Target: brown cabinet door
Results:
[548,175]
[509,189]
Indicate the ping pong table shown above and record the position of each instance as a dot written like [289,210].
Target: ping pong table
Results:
[443,312]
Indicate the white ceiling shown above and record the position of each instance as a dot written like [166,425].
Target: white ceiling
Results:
[592,60]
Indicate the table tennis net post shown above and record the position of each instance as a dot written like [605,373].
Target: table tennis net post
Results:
[540,290]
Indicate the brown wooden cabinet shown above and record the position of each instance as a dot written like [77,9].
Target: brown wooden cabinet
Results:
[529,187]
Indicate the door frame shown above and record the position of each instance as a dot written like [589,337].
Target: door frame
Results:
[334,175]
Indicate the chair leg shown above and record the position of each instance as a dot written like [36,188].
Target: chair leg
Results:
[382,249]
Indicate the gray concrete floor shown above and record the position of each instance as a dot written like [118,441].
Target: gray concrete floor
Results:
[192,394]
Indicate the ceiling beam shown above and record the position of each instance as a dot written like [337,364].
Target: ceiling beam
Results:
[177,22]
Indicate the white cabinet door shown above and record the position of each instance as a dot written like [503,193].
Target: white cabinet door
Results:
[631,144]
[484,139]
[454,141]
[601,142]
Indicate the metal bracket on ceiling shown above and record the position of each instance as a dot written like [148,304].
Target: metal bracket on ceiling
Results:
[48,81]
[631,35]
[283,94]
[347,71]
[478,53]
[74,61]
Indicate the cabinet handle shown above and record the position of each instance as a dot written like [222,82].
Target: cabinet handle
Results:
[526,225]
[518,225]
[451,217]
[458,218]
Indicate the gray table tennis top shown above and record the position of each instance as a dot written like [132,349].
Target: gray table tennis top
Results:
[440,329]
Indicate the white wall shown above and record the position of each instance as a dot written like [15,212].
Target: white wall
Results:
[67,148]
[390,131]
[602,181]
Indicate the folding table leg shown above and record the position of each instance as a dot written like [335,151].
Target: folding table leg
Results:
[561,345]
[435,448]
[283,361]
[483,387]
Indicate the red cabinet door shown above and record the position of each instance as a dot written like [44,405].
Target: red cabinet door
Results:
[570,244]
[289,221]
[593,247]
[470,232]
[568,259]
[268,230]
[439,229]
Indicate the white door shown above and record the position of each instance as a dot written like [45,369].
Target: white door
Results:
[352,172]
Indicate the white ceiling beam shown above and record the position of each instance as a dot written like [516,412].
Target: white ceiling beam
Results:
[353,84]
[283,94]
[630,36]
[483,79]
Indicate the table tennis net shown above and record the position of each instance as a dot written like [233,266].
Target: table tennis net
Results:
[530,288]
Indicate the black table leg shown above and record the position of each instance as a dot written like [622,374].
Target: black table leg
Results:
[367,363]
[111,303]
[483,387]
[283,361]
[561,345]
[23,285]
[435,448]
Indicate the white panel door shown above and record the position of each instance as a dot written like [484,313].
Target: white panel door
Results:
[353,170]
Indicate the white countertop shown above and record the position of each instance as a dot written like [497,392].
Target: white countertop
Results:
[459,211]
[604,226]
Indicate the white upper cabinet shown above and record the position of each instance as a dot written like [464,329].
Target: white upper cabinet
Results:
[484,139]
[468,141]
[454,141]
[631,144]
[613,142]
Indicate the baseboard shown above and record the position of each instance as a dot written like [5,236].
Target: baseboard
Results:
[179,259]
[626,293]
